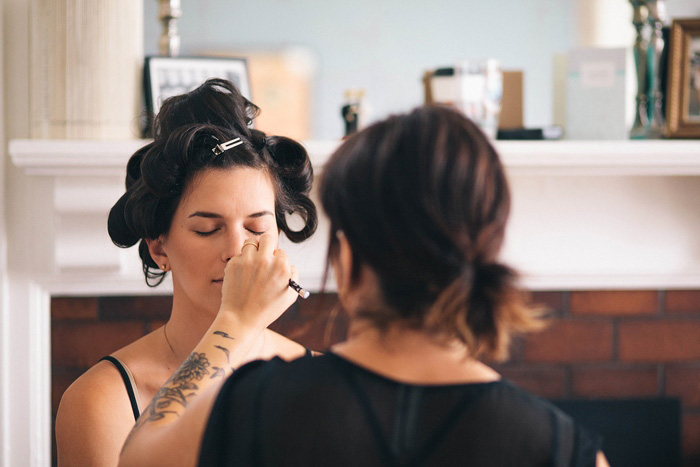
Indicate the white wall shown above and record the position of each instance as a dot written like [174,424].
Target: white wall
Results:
[683,8]
[601,20]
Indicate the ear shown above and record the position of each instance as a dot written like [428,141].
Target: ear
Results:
[354,294]
[157,249]
[342,267]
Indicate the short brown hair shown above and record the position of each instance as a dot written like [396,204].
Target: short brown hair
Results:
[423,200]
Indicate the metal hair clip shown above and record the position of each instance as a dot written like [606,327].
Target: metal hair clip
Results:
[219,148]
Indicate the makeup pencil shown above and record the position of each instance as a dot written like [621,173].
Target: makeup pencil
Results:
[302,293]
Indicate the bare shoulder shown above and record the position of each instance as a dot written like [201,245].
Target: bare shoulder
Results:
[94,418]
[281,346]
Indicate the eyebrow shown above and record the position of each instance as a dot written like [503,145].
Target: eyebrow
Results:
[213,215]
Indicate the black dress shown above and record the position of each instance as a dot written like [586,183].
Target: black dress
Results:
[328,411]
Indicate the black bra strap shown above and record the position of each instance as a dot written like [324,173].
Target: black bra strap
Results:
[127,382]
[370,415]
[308,353]
[433,441]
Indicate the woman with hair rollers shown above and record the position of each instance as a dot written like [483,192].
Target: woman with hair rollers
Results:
[206,186]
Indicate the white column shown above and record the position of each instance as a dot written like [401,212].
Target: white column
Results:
[25,389]
[4,328]
[86,64]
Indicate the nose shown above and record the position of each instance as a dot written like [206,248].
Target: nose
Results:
[232,243]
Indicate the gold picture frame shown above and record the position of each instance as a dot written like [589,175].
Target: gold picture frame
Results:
[683,93]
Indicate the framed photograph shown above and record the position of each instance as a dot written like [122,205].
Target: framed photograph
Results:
[169,76]
[683,93]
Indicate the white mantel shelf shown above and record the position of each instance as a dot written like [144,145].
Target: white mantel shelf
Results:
[586,214]
[657,157]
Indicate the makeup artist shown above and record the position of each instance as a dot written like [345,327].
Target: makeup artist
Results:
[206,190]
[418,205]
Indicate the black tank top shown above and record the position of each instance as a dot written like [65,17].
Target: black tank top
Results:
[128,382]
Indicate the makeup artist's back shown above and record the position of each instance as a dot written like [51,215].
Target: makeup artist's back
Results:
[418,206]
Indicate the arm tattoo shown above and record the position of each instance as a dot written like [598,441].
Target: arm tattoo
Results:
[225,350]
[177,390]
[181,386]
[222,334]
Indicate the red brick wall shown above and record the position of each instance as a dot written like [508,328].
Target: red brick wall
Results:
[604,344]
[617,344]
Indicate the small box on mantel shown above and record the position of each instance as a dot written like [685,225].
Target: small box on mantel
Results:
[512,100]
[600,89]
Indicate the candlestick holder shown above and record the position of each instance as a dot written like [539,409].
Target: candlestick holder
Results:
[657,20]
[169,13]
[641,45]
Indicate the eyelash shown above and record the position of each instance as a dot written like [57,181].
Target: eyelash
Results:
[206,234]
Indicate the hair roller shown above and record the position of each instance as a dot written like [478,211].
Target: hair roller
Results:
[258,139]
[133,167]
[117,226]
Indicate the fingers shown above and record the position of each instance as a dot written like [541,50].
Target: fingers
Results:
[256,249]
[250,246]
[283,260]
[267,244]
[278,253]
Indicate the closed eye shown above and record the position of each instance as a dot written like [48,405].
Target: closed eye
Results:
[205,234]
[256,233]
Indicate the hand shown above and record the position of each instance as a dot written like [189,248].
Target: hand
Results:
[256,284]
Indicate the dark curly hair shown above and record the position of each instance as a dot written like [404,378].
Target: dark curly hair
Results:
[185,131]
[423,200]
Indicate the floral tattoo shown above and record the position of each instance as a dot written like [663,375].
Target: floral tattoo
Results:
[179,387]
[182,386]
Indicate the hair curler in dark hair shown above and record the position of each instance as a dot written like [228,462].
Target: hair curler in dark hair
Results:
[292,167]
[423,200]
[118,227]
[133,216]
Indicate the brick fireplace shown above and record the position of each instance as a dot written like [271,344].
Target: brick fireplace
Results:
[600,344]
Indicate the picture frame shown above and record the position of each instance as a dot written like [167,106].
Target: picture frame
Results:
[683,91]
[170,76]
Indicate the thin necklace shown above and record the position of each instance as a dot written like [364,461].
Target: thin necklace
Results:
[165,333]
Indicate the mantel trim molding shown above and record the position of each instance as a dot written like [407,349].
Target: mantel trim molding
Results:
[624,158]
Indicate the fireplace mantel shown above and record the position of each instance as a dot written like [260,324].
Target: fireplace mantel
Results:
[582,158]
[586,215]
